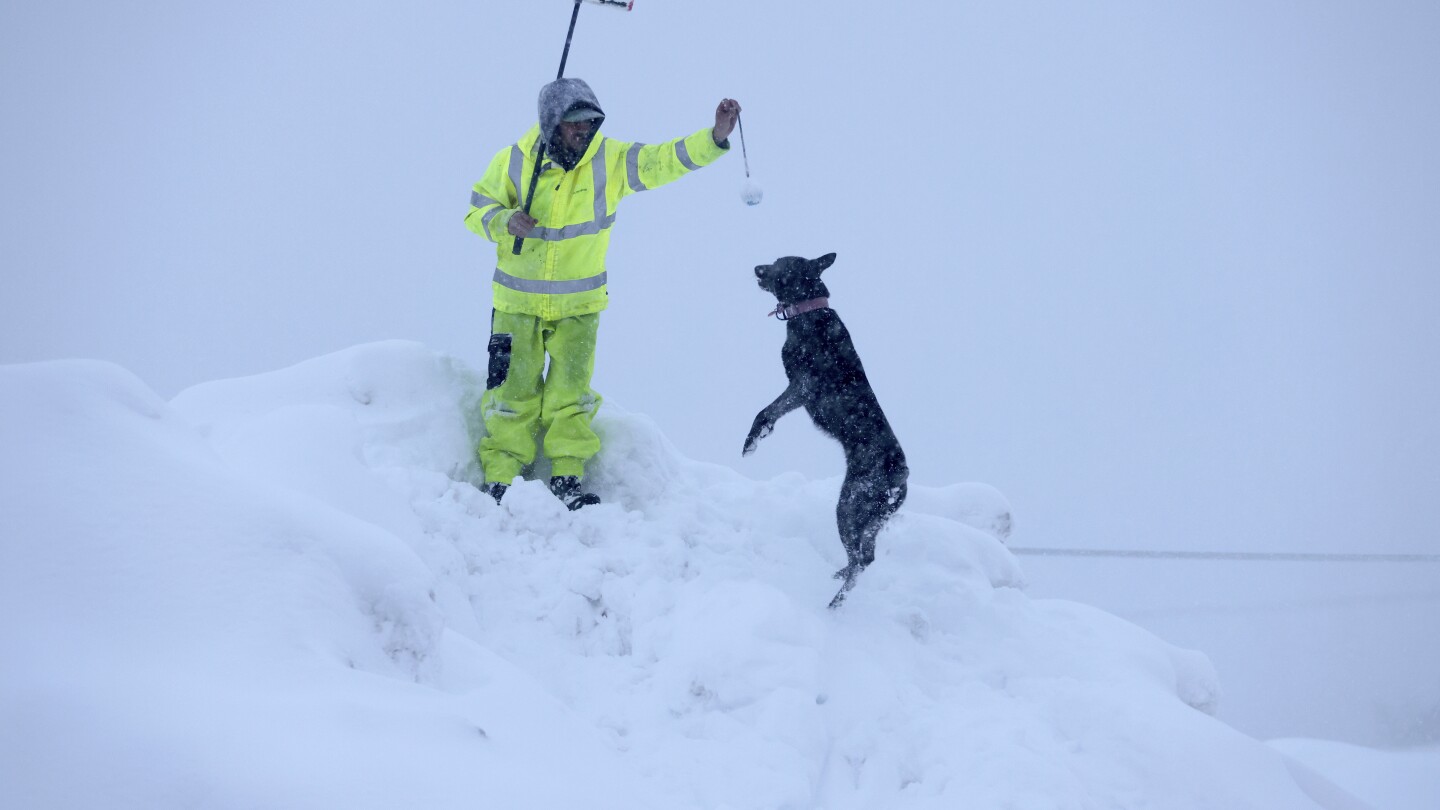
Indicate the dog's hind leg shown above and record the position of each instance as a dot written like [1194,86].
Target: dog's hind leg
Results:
[856,518]
[866,503]
[860,519]
[848,521]
[892,496]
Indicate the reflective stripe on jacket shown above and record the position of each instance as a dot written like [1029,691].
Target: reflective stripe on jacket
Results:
[560,271]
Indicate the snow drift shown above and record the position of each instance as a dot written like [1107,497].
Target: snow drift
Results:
[285,592]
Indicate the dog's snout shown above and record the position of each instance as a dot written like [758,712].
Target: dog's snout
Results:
[759,270]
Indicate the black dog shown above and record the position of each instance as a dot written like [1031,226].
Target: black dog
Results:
[827,379]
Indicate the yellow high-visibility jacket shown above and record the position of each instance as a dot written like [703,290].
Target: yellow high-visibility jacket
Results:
[560,271]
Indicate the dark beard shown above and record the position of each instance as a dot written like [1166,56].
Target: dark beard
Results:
[564,155]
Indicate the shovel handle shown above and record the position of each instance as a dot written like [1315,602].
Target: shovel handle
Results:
[534,181]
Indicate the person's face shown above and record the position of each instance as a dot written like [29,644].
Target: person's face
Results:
[575,135]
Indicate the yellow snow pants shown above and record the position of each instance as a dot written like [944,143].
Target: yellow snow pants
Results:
[522,397]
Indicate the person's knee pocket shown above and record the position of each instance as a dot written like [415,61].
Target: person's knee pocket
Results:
[499,371]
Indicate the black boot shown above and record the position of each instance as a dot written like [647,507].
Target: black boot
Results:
[567,489]
[494,489]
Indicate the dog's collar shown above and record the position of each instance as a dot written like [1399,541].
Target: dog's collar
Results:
[787,311]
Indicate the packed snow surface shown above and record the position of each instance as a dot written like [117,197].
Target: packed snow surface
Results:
[286,592]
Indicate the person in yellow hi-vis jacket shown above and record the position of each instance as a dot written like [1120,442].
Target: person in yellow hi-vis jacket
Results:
[548,298]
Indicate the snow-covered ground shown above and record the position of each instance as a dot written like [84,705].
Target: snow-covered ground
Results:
[285,592]
[1334,650]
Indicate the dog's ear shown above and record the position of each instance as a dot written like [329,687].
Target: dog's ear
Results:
[823,262]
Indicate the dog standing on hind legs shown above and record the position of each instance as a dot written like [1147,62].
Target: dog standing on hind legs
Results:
[828,381]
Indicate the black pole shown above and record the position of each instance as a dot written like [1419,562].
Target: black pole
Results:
[565,54]
[540,152]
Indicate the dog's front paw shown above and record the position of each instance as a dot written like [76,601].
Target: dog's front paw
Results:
[758,431]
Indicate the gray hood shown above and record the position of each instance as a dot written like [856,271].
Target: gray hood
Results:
[560,97]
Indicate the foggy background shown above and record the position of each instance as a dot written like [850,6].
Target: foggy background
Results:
[1166,277]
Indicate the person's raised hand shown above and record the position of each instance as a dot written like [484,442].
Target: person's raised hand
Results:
[726,114]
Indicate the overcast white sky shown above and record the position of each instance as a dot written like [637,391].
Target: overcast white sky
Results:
[1166,276]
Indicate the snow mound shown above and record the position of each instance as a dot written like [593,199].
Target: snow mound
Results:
[285,591]
[1393,780]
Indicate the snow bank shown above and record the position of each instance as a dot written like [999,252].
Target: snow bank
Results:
[1393,780]
[285,592]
